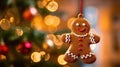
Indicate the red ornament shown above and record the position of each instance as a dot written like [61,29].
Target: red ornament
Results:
[29,13]
[24,47]
[3,49]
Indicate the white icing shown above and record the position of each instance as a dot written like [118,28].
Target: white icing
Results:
[77,24]
[83,24]
[67,38]
[72,55]
[92,40]
[87,55]
[80,35]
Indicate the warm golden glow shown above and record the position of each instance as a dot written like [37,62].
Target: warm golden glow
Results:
[47,57]
[2,57]
[45,46]
[41,4]
[42,53]
[19,32]
[49,20]
[56,39]
[52,20]
[11,19]
[52,6]
[38,23]
[5,24]
[66,66]
[52,29]
[69,22]
[36,57]
[61,61]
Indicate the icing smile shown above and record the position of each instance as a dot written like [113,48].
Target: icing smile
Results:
[82,29]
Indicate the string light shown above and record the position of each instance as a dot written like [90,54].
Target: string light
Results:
[19,32]
[69,22]
[5,24]
[2,57]
[50,42]
[37,23]
[33,10]
[36,57]
[42,53]
[47,57]
[56,39]
[42,4]
[66,66]
[61,60]
[11,19]
[52,6]
[51,20]
[45,46]
[52,29]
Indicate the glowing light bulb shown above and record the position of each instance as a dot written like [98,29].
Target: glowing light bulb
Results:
[42,53]
[69,23]
[33,10]
[52,20]
[11,19]
[36,57]
[19,32]
[61,61]
[47,57]
[50,43]
[52,6]
[5,24]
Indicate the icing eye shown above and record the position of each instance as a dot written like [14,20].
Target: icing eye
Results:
[83,24]
[77,24]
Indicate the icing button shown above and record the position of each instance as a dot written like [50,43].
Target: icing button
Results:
[80,39]
[79,49]
[81,45]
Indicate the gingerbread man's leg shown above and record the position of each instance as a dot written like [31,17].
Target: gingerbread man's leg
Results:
[70,57]
[88,58]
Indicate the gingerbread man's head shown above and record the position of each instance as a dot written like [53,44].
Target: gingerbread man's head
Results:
[80,26]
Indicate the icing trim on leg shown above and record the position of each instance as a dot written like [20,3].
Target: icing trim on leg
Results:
[72,55]
[87,55]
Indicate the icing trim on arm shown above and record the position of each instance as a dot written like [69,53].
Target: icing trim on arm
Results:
[67,38]
[92,39]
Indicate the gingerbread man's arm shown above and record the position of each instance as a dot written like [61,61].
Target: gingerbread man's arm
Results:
[94,38]
[66,38]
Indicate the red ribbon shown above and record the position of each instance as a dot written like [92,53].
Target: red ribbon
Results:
[81,6]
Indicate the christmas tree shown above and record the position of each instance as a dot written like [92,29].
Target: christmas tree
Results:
[25,39]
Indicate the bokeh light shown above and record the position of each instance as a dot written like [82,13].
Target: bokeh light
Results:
[61,60]
[52,6]
[69,22]
[36,57]
[5,24]
[50,42]
[19,32]
[52,20]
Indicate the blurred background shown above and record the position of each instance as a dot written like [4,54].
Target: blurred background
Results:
[30,32]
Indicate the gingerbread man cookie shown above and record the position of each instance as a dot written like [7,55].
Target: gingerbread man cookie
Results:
[80,40]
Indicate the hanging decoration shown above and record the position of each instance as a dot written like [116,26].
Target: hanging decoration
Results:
[30,13]
[3,48]
[80,40]
[24,47]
